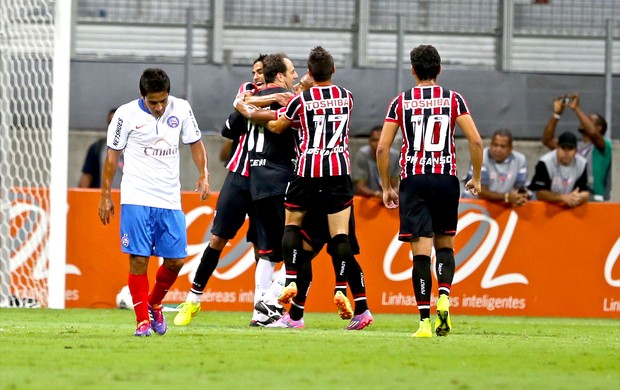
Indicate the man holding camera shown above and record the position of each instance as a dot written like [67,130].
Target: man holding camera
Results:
[594,146]
[503,174]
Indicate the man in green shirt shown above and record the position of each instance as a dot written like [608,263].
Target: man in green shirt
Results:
[594,146]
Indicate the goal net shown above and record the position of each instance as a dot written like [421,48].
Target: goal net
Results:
[27,43]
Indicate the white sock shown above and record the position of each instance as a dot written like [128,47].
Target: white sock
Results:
[262,278]
[193,297]
[274,291]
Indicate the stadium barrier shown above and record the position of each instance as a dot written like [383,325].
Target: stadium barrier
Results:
[537,260]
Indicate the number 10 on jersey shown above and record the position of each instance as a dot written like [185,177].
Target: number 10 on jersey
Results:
[435,127]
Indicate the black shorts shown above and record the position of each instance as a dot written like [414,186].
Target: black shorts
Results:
[429,204]
[315,231]
[233,204]
[270,227]
[323,194]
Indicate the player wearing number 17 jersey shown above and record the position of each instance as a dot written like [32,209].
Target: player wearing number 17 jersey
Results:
[322,181]
[427,115]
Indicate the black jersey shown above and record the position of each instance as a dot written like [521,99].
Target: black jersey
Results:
[271,155]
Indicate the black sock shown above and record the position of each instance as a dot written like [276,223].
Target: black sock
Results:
[355,278]
[304,280]
[444,266]
[291,248]
[422,284]
[340,250]
[296,312]
[208,263]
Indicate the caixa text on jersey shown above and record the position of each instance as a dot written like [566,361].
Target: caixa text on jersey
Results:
[154,152]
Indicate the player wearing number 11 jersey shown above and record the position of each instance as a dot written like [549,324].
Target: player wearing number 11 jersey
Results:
[427,115]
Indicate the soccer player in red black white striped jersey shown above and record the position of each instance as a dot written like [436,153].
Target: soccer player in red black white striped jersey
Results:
[323,178]
[427,115]
[316,234]
[234,202]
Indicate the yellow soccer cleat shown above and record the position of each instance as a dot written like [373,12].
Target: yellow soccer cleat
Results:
[424,330]
[289,292]
[443,323]
[187,310]
[345,311]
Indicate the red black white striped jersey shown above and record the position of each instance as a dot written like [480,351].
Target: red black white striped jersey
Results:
[239,158]
[427,118]
[323,113]
[247,87]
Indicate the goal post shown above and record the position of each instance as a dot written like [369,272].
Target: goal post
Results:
[57,252]
[34,99]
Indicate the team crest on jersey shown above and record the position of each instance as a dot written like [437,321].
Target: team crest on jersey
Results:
[173,121]
[125,240]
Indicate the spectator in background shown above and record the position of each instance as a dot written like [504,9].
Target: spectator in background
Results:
[504,172]
[93,163]
[594,147]
[365,173]
[561,175]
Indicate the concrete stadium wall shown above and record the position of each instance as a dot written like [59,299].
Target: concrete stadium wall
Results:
[79,141]
[521,102]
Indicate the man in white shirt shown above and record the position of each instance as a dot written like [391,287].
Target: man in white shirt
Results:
[147,130]
[504,171]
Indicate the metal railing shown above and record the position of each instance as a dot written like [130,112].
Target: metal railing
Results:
[532,17]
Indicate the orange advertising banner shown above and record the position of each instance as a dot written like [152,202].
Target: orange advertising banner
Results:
[537,260]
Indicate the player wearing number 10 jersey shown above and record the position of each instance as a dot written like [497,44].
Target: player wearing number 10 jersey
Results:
[427,115]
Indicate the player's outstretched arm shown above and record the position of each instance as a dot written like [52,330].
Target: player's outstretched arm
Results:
[106,205]
[388,133]
[475,151]
[199,155]
[255,114]
[278,126]
[266,100]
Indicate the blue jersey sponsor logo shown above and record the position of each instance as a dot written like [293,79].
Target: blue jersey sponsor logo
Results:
[173,121]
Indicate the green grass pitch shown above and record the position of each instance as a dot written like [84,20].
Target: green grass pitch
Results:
[95,349]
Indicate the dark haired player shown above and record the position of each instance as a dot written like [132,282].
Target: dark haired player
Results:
[322,180]
[315,231]
[152,222]
[429,187]
[234,201]
[271,159]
